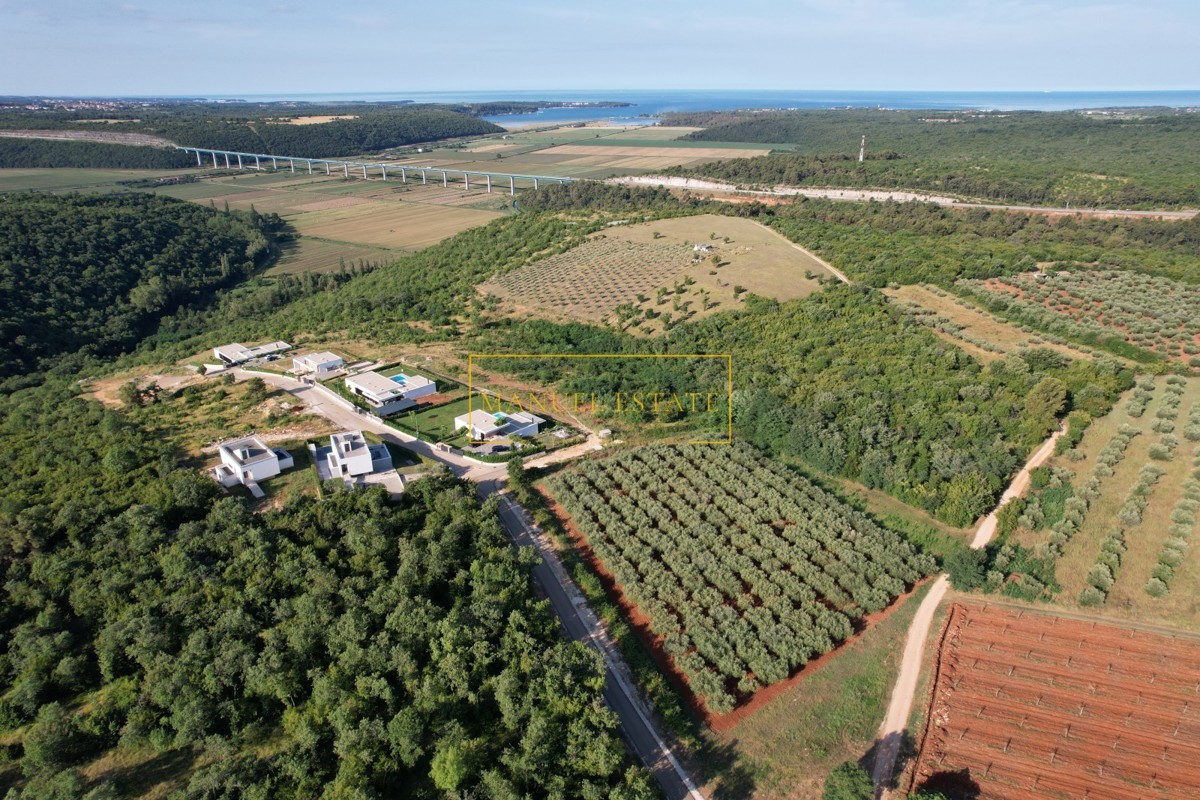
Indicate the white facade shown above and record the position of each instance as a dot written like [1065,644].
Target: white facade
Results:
[389,395]
[483,425]
[348,454]
[248,461]
[321,365]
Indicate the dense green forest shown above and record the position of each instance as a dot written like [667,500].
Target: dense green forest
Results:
[1127,160]
[829,380]
[264,128]
[43,153]
[92,275]
[344,647]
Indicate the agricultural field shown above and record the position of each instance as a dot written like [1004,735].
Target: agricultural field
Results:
[1120,539]
[593,151]
[395,225]
[744,570]
[74,180]
[965,325]
[1154,314]
[649,277]
[1028,704]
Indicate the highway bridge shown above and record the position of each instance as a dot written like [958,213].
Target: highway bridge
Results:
[370,170]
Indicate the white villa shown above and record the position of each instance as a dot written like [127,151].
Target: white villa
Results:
[248,461]
[319,365]
[237,353]
[350,456]
[389,395]
[483,425]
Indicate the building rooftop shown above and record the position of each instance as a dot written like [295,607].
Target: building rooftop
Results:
[248,450]
[348,442]
[324,357]
[375,384]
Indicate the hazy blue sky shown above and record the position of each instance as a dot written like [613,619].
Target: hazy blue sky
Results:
[245,47]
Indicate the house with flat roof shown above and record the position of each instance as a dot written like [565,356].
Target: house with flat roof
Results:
[350,456]
[247,461]
[386,396]
[319,365]
[238,353]
[483,425]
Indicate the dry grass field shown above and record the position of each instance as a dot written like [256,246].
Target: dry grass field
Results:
[408,226]
[655,268]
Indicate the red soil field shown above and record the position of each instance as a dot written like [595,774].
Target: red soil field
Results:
[1027,704]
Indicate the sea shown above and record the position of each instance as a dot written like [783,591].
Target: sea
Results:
[646,106]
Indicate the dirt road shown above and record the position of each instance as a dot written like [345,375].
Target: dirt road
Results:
[898,195]
[895,722]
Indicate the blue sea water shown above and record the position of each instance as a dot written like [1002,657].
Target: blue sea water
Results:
[648,104]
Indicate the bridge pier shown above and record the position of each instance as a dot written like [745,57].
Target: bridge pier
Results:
[535,183]
[310,168]
[424,177]
[214,152]
[326,167]
[512,186]
[257,163]
[240,161]
[466,182]
[346,170]
[384,168]
[227,161]
[292,163]
[445,181]
[274,163]
[489,181]
[403,175]
[199,163]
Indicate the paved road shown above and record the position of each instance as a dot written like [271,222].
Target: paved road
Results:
[891,733]
[578,620]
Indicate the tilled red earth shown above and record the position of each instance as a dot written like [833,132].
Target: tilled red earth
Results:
[1032,705]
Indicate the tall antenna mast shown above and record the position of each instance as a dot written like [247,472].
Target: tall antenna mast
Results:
[862,149]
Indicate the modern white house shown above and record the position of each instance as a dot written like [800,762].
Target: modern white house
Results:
[350,456]
[319,365]
[238,353]
[388,395]
[483,425]
[248,461]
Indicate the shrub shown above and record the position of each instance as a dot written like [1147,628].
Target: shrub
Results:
[1091,596]
[1155,587]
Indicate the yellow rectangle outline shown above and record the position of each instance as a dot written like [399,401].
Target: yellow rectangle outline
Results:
[728,375]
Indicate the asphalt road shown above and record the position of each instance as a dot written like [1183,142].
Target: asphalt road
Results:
[581,624]
[578,620]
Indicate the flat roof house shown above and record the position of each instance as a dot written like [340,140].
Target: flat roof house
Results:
[238,353]
[350,456]
[320,365]
[482,424]
[388,395]
[248,461]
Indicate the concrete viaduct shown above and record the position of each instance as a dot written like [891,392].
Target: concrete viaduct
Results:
[235,160]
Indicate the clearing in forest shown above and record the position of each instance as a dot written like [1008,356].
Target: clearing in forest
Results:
[1027,704]
[651,276]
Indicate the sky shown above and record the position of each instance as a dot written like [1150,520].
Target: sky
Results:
[243,47]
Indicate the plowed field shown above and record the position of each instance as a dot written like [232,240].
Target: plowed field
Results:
[1031,705]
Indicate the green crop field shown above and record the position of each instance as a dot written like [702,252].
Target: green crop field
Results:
[776,570]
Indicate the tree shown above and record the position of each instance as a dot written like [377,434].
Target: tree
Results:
[849,781]
[966,568]
[50,741]
[1045,401]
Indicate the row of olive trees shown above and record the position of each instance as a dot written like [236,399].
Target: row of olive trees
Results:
[745,570]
